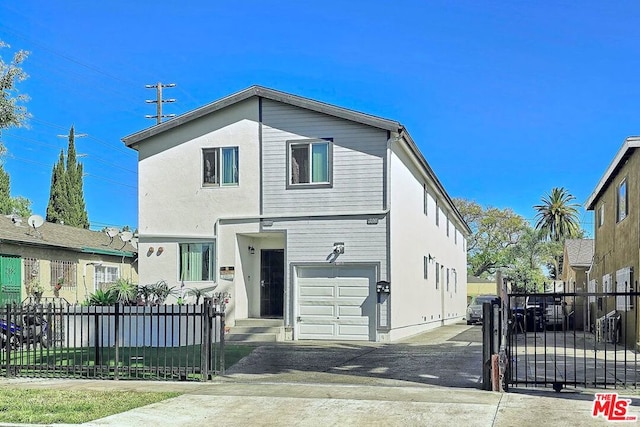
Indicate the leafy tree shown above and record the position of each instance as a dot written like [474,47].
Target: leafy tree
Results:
[66,198]
[557,217]
[20,206]
[529,255]
[12,113]
[495,233]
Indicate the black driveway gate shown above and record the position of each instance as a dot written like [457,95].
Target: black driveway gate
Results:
[572,339]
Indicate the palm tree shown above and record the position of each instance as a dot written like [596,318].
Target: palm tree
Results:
[557,217]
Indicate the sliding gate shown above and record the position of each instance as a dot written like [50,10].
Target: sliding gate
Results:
[578,340]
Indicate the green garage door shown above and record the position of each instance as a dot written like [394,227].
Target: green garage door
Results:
[10,279]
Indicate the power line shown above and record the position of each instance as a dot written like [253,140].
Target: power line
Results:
[159,101]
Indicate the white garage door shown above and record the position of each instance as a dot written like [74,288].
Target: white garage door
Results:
[336,303]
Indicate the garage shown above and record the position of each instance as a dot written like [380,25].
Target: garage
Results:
[336,303]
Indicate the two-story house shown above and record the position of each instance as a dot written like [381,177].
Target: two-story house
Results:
[616,255]
[324,217]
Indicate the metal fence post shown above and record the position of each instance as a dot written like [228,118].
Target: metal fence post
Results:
[487,345]
[116,326]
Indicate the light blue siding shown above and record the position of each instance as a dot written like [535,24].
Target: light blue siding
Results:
[358,172]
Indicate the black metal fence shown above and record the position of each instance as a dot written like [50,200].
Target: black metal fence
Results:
[572,339]
[163,342]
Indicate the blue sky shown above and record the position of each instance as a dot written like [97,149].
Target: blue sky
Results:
[505,99]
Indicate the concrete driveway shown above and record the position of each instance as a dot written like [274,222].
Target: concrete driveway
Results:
[450,356]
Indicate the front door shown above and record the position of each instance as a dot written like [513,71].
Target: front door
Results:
[271,283]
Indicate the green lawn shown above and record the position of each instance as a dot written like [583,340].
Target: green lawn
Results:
[65,406]
[68,406]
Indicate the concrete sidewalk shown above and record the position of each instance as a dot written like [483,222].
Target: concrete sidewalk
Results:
[431,379]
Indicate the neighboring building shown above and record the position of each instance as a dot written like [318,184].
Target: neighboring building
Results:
[80,260]
[577,259]
[478,286]
[617,236]
[298,210]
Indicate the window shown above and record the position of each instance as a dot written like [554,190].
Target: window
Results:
[104,275]
[31,270]
[455,280]
[622,200]
[455,236]
[63,272]
[426,267]
[447,227]
[310,162]
[437,275]
[437,214]
[197,262]
[220,166]
[601,215]
[426,200]
[447,280]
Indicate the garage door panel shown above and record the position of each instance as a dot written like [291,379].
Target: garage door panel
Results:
[318,331]
[317,291]
[351,291]
[318,310]
[349,310]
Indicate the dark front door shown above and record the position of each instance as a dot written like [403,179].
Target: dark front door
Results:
[271,283]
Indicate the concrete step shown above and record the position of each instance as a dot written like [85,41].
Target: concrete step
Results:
[259,322]
[256,330]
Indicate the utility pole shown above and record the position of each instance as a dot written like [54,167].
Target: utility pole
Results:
[159,101]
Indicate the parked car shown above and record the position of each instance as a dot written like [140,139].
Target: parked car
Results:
[544,310]
[474,309]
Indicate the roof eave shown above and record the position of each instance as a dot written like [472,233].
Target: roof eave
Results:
[629,143]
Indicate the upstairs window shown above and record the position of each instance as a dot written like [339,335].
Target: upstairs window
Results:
[622,200]
[220,166]
[601,215]
[310,163]
[426,200]
[437,214]
[426,267]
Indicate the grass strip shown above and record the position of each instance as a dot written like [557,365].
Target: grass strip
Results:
[70,407]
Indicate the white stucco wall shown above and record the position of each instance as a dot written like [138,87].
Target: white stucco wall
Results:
[174,206]
[416,304]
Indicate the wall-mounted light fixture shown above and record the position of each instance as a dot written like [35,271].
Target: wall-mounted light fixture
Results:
[150,250]
[160,250]
[431,258]
[252,250]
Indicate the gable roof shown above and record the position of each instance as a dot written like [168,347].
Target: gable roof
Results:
[309,104]
[579,252]
[267,93]
[628,147]
[65,237]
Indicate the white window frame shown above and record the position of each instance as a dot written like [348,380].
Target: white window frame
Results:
[622,200]
[104,275]
[210,262]
[601,215]
[426,267]
[215,177]
[310,143]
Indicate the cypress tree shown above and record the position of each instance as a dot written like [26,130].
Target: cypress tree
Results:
[66,200]
[58,206]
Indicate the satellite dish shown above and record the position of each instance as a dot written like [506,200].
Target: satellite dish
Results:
[35,221]
[125,236]
[111,232]
[134,242]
